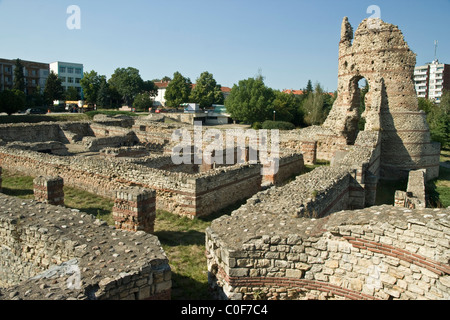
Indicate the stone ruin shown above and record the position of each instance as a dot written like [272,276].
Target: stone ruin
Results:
[318,236]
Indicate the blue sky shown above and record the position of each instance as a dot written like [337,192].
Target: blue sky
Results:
[288,41]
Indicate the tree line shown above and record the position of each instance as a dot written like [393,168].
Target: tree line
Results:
[252,102]
[125,87]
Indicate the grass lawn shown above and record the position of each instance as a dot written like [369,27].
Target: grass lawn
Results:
[445,156]
[439,189]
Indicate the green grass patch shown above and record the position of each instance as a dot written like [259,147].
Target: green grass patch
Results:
[319,163]
[445,156]
[22,187]
[439,189]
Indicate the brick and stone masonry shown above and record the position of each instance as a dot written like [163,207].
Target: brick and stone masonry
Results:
[135,209]
[49,190]
[57,253]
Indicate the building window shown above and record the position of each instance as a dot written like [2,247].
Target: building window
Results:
[77,80]
[70,70]
[62,69]
[63,79]
[70,80]
[78,71]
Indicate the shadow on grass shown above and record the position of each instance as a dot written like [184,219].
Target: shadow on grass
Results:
[19,193]
[178,238]
[186,288]
[386,191]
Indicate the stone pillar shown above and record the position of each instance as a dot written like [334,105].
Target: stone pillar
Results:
[49,190]
[309,151]
[135,209]
[416,186]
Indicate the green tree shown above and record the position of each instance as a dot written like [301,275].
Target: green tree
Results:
[251,101]
[128,83]
[178,91]
[35,99]
[150,88]
[12,101]
[143,102]
[286,107]
[91,83]
[53,89]
[313,107]
[362,105]
[103,94]
[19,78]
[438,118]
[72,94]
[207,92]
[309,88]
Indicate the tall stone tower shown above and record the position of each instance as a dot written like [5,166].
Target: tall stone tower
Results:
[378,52]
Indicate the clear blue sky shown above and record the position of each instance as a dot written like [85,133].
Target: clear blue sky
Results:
[289,41]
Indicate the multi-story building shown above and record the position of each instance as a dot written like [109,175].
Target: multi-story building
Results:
[431,80]
[70,74]
[35,74]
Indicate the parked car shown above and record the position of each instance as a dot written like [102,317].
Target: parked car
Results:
[35,111]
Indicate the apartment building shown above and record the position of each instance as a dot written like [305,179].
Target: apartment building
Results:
[70,74]
[431,80]
[35,74]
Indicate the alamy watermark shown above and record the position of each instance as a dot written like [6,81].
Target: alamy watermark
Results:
[236,146]
[73,22]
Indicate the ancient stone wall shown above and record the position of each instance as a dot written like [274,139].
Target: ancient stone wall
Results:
[377,253]
[55,253]
[177,192]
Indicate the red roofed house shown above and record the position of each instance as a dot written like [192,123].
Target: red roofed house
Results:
[296,92]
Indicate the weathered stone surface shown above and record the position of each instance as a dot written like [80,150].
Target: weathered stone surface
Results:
[53,252]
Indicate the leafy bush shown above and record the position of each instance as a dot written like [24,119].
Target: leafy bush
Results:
[257,126]
[277,125]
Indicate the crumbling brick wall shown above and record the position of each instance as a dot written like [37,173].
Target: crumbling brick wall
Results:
[378,52]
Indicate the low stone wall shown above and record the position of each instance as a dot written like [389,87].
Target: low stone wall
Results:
[376,253]
[177,192]
[225,187]
[290,165]
[55,253]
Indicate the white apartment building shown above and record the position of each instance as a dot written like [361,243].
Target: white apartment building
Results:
[70,74]
[431,80]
